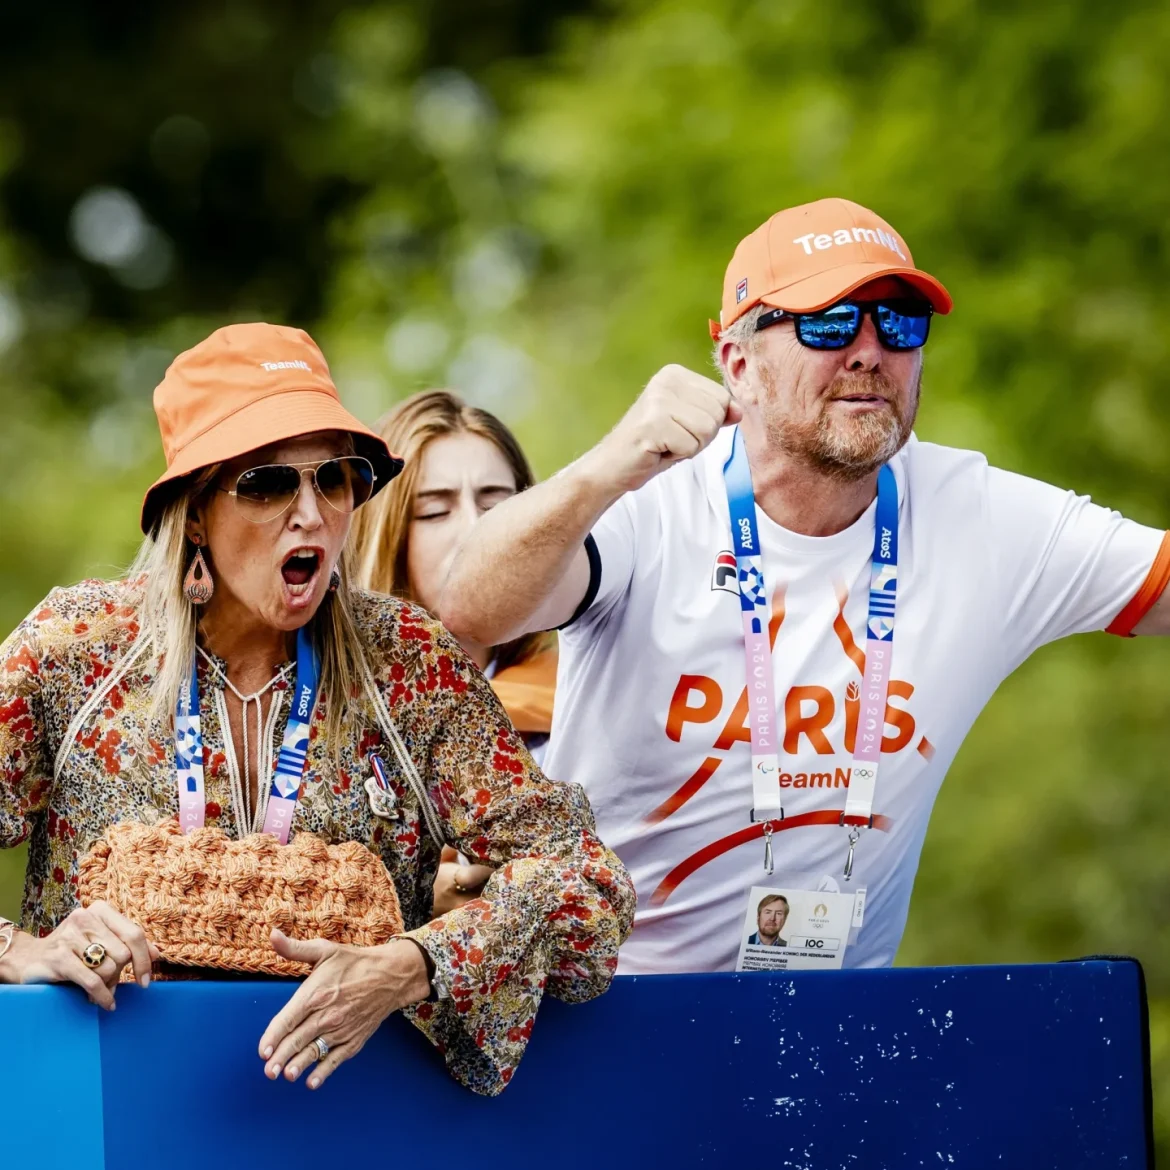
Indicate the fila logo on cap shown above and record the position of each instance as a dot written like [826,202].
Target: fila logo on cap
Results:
[741,290]
[844,236]
[270,366]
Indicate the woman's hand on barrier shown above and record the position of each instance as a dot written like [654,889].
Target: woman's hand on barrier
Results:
[60,956]
[348,994]
[455,884]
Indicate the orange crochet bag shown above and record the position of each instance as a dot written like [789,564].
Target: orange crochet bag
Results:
[206,900]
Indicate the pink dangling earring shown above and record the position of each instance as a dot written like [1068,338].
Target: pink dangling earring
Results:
[334,581]
[198,584]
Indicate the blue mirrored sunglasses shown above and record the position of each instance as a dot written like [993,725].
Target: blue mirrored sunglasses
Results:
[901,323]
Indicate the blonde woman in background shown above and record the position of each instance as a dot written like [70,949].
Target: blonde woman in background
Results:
[460,461]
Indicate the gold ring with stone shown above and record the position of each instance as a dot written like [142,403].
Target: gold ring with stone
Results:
[94,955]
[321,1047]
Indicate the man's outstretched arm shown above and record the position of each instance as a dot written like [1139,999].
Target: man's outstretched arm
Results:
[524,566]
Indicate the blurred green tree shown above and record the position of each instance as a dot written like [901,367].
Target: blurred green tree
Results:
[535,203]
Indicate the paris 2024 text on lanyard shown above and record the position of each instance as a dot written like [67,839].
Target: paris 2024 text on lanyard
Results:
[879,653]
[290,763]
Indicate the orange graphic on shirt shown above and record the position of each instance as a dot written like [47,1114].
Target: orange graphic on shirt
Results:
[808,711]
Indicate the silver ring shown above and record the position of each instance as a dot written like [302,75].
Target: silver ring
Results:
[321,1047]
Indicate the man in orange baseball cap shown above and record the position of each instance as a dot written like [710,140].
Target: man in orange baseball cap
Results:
[730,566]
[831,272]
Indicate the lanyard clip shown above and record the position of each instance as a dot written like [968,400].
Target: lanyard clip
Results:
[854,837]
[774,815]
[768,866]
[854,834]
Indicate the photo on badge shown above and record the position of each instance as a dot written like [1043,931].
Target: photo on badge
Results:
[794,930]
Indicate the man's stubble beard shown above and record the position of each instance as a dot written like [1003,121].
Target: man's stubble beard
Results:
[845,447]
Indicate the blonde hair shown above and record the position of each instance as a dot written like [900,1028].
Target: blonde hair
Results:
[169,620]
[381,533]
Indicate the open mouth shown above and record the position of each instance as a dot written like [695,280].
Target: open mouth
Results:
[299,568]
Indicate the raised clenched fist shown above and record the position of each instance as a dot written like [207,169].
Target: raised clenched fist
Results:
[674,418]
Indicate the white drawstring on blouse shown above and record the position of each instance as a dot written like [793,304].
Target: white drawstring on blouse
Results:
[265,729]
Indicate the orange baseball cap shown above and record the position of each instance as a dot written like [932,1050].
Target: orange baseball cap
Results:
[244,387]
[808,257]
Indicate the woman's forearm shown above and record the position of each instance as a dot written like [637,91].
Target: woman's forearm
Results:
[547,923]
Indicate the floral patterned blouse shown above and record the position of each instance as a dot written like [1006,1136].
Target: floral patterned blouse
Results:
[553,915]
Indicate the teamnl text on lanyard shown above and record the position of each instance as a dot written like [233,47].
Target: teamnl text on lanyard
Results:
[879,652]
[290,764]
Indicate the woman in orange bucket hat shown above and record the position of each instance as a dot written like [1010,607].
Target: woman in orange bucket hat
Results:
[233,758]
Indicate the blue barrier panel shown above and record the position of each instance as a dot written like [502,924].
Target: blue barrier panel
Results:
[1029,1067]
[50,1079]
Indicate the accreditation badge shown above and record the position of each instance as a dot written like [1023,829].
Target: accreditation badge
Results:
[792,929]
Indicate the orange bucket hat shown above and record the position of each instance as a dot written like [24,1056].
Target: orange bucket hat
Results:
[808,257]
[244,387]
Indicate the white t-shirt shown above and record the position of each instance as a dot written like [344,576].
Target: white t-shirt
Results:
[991,566]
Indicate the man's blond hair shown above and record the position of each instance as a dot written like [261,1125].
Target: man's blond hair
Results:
[742,331]
[768,901]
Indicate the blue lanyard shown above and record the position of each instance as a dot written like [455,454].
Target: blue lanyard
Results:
[290,763]
[753,602]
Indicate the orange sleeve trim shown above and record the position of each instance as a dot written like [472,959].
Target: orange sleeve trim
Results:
[1145,598]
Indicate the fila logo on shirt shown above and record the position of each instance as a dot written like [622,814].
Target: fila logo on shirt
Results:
[844,236]
[727,576]
[724,575]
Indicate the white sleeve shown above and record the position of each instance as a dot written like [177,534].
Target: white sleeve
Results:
[1065,565]
[611,547]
